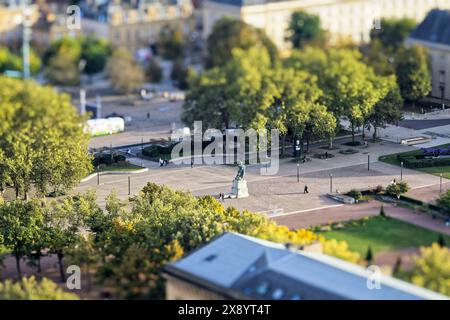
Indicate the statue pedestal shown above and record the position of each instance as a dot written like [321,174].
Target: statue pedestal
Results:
[239,189]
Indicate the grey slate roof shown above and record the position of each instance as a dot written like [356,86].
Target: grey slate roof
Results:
[435,28]
[240,266]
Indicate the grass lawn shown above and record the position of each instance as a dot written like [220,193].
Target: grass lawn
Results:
[383,234]
[392,159]
[119,166]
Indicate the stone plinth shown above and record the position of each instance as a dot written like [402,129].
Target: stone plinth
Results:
[239,189]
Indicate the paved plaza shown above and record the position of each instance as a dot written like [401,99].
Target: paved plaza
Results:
[280,194]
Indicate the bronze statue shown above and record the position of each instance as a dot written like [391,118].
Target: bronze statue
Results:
[241,171]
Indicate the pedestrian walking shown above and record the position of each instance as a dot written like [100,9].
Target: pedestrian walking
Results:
[326,154]
[148,115]
[160,162]
[306,189]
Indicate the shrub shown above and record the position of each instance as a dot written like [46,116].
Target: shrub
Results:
[443,203]
[356,194]
[420,162]
[30,289]
[378,189]
[397,189]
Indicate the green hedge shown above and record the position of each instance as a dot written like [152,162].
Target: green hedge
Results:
[419,162]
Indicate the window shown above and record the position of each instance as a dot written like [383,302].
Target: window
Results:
[278,294]
[263,288]
[210,258]
[442,76]
[296,296]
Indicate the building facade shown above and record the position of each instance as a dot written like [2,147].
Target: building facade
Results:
[434,34]
[343,19]
[138,27]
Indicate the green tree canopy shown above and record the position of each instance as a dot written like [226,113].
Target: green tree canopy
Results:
[42,143]
[228,34]
[124,72]
[388,109]
[444,202]
[95,53]
[304,29]
[432,269]
[236,94]
[393,32]
[171,42]
[413,73]
[20,226]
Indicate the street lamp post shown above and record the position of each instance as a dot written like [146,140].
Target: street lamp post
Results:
[298,171]
[26,36]
[401,171]
[368,162]
[331,183]
[129,185]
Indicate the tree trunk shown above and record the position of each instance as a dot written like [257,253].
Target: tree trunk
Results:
[353,133]
[19,270]
[17,192]
[375,132]
[61,267]
[39,270]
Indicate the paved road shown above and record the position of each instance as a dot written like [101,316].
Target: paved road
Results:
[424,124]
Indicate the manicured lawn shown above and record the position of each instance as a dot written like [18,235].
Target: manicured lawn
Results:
[392,159]
[119,166]
[383,234]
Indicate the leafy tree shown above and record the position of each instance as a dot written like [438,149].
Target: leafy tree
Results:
[62,71]
[42,142]
[84,254]
[181,74]
[350,87]
[388,109]
[432,269]
[66,224]
[443,202]
[61,61]
[171,41]
[369,255]
[69,46]
[413,74]
[95,53]
[10,61]
[305,30]
[163,223]
[393,32]
[379,58]
[229,34]
[154,71]
[238,93]
[30,289]
[21,226]
[397,189]
[124,72]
